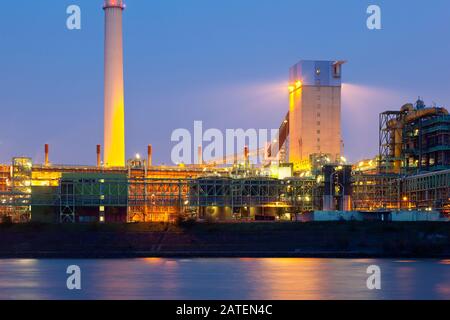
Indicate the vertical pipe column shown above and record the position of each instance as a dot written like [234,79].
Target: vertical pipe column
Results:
[46,149]
[328,192]
[347,185]
[99,152]
[246,156]
[149,156]
[200,155]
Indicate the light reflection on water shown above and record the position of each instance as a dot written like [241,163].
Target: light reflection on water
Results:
[233,278]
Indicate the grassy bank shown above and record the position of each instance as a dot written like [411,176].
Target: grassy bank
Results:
[330,239]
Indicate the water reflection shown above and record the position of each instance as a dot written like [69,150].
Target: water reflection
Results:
[156,278]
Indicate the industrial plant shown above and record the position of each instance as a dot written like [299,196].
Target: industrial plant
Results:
[304,176]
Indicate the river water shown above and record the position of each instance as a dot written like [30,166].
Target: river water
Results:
[230,278]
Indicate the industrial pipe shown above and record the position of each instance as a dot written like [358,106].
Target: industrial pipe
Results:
[246,155]
[200,155]
[99,151]
[149,156]
[46,162]
[397,125]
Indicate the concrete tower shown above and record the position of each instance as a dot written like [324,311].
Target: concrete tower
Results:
[314,110]
[114,118]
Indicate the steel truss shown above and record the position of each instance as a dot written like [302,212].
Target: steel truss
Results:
[387,142]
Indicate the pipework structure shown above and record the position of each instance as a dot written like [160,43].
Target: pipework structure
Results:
[414,140]
[114,105]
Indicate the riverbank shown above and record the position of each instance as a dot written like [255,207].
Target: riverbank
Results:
[318,239]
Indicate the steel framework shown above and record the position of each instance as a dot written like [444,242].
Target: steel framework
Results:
[376,192]
[431,190]
[387,141]
[157,199]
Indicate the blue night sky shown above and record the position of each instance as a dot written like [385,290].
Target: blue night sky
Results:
[221,61]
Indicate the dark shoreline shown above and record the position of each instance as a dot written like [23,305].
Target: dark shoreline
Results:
[228,240]
[214,255]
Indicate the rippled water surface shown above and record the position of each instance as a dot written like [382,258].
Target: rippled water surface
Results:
[225,279]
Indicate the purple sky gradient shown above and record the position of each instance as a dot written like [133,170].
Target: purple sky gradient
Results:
[223,62]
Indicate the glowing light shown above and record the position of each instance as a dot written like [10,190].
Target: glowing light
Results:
[138,156]
[298,84]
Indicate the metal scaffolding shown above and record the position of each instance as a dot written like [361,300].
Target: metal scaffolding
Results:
[376,192]
[163,199]
[387,141]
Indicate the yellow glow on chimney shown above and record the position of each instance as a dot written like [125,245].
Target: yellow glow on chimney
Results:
[114,110]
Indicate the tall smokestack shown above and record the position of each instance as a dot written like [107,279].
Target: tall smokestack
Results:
[99,151]
[149,156]
[114,123]
[46,162]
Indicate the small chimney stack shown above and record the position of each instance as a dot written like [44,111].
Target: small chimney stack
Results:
[200,155]
[46,162]
[246,156]
[149,156]
[99,152]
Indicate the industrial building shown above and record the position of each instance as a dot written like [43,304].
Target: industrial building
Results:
[415,139]
[314,111]
[306,177]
